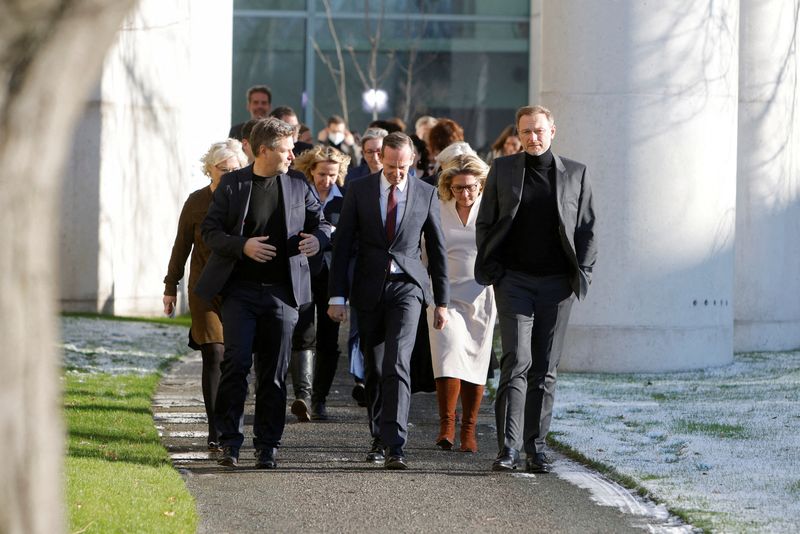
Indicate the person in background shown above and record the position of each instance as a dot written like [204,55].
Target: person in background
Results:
[287,115]
[247,128]
[339,137]
[205,333]
[461,351]
[304,134]
[259,103]
[423,126]
[371,143]
[506,144]
[324,168]
[443,134]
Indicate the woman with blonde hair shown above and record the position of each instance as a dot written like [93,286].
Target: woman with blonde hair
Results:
[325,168]
[205,333]
[461,351]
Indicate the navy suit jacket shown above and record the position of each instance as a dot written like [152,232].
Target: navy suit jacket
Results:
[501,198]
[223,230]
[361,227]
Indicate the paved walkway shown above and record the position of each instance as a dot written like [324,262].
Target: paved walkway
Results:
[322,483]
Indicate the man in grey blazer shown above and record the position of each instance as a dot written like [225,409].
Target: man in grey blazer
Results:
[536,246]
[262,226]
[383,217]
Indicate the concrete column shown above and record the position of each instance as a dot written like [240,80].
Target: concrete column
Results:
[163,98]
[767,311]
[646,96]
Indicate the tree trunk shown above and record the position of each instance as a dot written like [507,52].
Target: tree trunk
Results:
[50,55]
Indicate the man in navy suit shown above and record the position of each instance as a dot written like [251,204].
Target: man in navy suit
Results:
[261,227]
[384,215]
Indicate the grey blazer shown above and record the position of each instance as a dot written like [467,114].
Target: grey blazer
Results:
[361,232]
[501,198]
[223,230]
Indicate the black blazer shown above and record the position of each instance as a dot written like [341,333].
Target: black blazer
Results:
[360,226]
[223,230]
[501,197]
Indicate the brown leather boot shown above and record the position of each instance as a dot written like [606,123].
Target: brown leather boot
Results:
[471,396]
[447,395]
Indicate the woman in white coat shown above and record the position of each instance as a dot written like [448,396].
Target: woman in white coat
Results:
[462,349]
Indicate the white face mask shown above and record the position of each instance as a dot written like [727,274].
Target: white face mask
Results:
[336,138]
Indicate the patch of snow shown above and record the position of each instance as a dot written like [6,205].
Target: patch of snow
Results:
[116,347]
[721,443]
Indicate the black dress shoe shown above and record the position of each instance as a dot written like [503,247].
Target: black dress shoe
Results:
[376,454]
[319,412]
[359,394]
[265,458]
[507,460]
[395,462]
[230,457]
[538,463]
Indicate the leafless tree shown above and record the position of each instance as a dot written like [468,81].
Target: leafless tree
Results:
[50,54]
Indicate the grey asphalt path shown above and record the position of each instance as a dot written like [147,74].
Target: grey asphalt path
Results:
[322,483]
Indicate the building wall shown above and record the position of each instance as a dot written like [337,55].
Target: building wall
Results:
[647,98]
[163,98]
[767,303]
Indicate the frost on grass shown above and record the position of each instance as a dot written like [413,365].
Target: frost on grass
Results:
[107,346]
[720,444]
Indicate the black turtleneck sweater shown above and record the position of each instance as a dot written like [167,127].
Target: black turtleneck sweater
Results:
[534,244]
[265,216]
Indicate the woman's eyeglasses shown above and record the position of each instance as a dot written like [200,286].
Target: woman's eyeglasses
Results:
[458,189]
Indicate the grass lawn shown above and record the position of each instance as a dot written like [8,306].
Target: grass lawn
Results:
[119,477]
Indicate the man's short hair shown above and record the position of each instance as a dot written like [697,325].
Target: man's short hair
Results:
[247,128]
[534,110]
[335,119]
[259,89]
[397,140]
[269,132]
[385,125]
[373,133]
[282,111]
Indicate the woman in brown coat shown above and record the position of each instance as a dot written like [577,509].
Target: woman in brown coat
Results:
[206,331]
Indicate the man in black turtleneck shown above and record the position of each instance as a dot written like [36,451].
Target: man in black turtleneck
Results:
[261,227]
[535,237]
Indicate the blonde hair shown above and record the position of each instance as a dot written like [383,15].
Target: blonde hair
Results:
[306,161]
[222,151]
[469,164]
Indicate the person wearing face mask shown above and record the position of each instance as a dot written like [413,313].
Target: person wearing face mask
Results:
[536,247]
[337,135]
[205,334]
[262,227]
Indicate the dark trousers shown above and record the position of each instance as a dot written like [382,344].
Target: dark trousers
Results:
[387,340]
[533,312]
[253,311]
[327,357]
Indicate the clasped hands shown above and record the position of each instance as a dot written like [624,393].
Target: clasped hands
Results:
[259,250]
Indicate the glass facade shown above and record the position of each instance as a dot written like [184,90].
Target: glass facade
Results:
[463,59]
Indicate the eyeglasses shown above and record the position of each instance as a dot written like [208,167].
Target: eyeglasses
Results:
[458,189]
[225,169]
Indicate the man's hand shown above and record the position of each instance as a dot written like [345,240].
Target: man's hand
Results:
[309,245]
[337,312]
[258,250]
[169,305]
[439,317]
